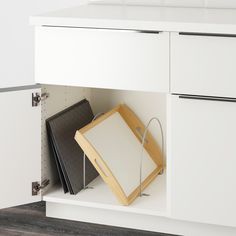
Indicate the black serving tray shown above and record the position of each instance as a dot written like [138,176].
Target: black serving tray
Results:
[61,129]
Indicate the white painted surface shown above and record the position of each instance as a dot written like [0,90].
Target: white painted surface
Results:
[102,58]
[17,38]
[120,149]
[102,198]
[203,65]
[20,154]
[168,153]
[143,17]
[136,221]
[203,160]
[220,3]
[175,3]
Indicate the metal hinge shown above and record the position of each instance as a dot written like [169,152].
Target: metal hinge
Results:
[37,98]
[36,187]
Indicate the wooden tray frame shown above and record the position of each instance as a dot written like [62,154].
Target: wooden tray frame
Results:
[137,128]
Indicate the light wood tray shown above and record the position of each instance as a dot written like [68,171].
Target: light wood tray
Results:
[112,144]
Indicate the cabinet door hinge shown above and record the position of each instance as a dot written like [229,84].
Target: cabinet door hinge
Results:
[37,98]
[36,187]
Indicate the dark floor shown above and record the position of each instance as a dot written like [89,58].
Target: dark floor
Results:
[30,220]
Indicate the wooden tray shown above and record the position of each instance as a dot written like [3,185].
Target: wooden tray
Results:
[113,144]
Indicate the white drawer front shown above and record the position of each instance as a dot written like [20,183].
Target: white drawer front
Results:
[103,58]
[203,65]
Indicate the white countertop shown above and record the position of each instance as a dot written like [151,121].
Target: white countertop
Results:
[142,18]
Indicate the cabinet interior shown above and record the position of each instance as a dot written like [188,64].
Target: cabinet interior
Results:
[145,104]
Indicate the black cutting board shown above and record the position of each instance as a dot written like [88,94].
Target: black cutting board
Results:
[67,153]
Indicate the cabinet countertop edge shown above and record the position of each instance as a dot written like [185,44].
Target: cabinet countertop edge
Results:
[173,19]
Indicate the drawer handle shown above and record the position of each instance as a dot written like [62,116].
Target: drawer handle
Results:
[147,31]
[208,98]
[208,34]
[113,29]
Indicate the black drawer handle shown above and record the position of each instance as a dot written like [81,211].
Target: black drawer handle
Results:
[146,31]
[208,98]
[208,34]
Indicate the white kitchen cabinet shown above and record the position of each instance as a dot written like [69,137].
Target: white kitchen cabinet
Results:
[203,64]
[25,155]
[103,58]
[99,205]
[203,183]
[128,51]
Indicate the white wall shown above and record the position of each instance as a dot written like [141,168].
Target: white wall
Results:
[16,38]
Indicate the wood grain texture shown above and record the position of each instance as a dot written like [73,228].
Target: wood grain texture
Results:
[30,220]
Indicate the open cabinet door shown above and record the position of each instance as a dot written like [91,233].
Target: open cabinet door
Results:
[20,146]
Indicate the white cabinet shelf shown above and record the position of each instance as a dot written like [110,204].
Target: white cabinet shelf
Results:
[102,197]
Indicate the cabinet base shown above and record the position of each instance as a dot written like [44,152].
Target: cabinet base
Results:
[136,221]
